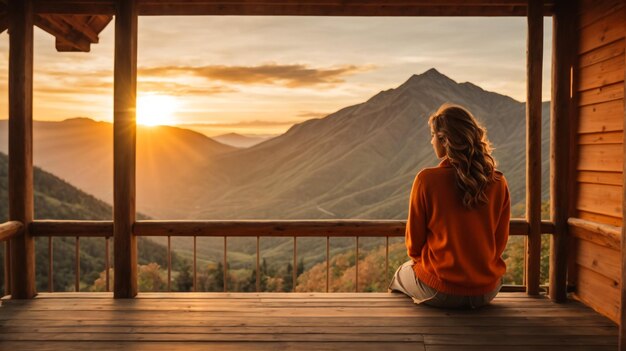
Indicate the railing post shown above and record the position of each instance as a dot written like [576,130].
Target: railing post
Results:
[560,129]
[21,146]
[124,143]
[533,144]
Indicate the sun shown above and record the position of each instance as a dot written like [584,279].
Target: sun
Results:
[154,110]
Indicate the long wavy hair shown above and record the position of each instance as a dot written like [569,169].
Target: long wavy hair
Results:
[468,151]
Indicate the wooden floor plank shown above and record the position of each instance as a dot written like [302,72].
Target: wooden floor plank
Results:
[250,295]
[520,348]
[399,332]
[295,321]
[333,322]
[229,337]
[213,346]
[202,313]
[543,340]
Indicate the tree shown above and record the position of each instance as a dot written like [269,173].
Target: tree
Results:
[184,279]
[288,278]
[150,278]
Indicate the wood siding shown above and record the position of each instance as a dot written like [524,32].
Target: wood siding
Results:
[599,131]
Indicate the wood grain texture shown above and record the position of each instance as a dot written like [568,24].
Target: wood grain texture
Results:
[599,218]
[211,228]
[591,11]
[124,144]
[606,158]
[622,312]
[563,47]
[21,201]
[599,233]
[600,198]
[607,29]
[603,94]
[298,321]
[601,54]
[601,138]
[602,73]
[600,259]
[299,8]
[534,65]
[601,117]
[10,229]
[599,292]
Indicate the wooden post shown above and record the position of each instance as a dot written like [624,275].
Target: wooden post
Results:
[7,267]
[534,57]
[560,129]
[622,318]
[21,146]
[124,141]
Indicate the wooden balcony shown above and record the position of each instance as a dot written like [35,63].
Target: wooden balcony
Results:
[587,117]
[298,321]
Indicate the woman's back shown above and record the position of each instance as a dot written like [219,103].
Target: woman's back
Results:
[457,250]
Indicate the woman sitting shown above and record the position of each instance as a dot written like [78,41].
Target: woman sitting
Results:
[458,222]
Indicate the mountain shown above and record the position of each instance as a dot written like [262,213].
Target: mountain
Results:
[360,161]
[80,151]
[57,199]
[238,140]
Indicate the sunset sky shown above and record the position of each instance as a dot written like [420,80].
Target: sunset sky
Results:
[260,75]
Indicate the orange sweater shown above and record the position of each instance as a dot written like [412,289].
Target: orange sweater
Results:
[455,250]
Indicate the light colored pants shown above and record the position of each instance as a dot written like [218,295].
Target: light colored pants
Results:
[405,281]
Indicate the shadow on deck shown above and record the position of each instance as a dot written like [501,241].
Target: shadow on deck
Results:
[298,321]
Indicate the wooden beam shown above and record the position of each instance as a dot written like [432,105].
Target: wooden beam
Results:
[87,7]
[417,3]
[124,144]
[21,146]
[533,144]
[67,38]
[7,268]
[218,9]
[599,233]
[622,317]
[4,22]
[80,24]
[297,8]
[10,229]
[63,228]
[563,53]
[313,228]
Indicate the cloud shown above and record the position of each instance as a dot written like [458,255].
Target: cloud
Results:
[241,124]
[177,89]
[291,76]
[99,82]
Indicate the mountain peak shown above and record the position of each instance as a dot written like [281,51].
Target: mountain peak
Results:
[431,75]
[78,120]
[432,72]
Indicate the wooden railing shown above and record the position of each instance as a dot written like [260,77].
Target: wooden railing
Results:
[124,143]
[8,230]
[210,228]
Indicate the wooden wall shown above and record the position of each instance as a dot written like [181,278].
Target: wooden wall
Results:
[599,97]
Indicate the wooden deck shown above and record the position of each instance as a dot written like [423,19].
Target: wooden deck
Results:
[295,321]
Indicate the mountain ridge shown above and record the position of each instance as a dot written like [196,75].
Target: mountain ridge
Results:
[357,162]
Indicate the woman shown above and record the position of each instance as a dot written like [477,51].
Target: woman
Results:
[458,222]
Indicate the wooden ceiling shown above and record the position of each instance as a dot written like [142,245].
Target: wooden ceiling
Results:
[76,23]
[72,32]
